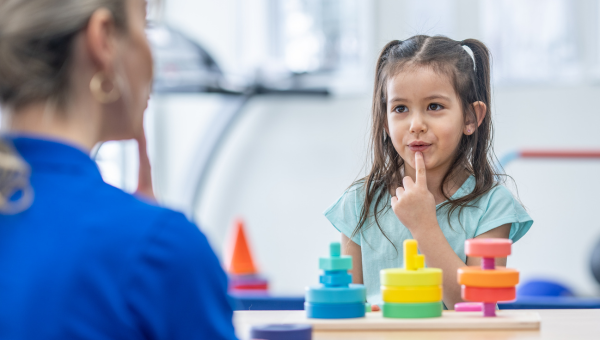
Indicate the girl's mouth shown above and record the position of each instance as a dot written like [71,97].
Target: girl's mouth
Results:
[418,146]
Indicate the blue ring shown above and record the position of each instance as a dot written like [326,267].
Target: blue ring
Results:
[338,279]
[282,332]
[334,311]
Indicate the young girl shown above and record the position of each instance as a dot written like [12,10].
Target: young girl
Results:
[432,177]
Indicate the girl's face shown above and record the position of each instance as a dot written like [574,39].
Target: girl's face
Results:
[424,114]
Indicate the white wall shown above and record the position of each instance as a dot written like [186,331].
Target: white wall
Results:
[287,161]
[289,158]
[561,194]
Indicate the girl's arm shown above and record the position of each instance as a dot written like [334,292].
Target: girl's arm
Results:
[353,249]
[439,254]
[415,207]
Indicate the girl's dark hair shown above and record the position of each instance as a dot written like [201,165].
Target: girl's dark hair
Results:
[471,83]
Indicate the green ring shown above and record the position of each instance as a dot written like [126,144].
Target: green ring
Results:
[412,310]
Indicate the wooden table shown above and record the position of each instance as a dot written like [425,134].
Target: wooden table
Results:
[569,324]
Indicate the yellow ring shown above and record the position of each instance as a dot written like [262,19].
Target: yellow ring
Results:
[399,277]
[411,294]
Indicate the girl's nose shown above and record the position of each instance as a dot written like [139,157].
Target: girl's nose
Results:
[417,124]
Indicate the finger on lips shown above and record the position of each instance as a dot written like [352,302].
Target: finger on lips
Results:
[420,167]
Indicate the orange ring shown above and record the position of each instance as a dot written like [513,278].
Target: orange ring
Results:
[488,247]
[478,294]
[500,277]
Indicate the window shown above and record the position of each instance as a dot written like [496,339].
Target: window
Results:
[280,39]
[532,40]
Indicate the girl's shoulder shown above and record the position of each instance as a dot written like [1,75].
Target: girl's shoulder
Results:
[344,213]
[499,194]
[497,207]
[347,203]
[354,197]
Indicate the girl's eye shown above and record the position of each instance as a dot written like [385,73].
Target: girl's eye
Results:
[435,107]
[401,109]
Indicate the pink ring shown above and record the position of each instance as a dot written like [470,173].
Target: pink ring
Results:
[468,307]
[488,247]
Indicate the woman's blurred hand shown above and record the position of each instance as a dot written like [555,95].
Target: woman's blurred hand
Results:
[144,188]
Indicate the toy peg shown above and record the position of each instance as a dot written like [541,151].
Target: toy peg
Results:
[412,259]
[335,249]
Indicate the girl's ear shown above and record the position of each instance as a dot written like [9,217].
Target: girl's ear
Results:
[480,109]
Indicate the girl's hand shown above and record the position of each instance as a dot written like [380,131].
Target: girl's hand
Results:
[414,205]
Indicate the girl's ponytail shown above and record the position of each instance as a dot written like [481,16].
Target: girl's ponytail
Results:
[482,69]
[481,160]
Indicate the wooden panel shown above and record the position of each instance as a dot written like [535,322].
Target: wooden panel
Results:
[506,319]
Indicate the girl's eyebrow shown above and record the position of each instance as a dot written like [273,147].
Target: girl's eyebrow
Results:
[437,96]
[398,99]
[432,97]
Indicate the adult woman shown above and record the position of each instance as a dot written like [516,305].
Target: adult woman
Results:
[84,260]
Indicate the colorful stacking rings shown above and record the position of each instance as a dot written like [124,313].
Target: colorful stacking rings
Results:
[412,291]
[337,297]
[488,284]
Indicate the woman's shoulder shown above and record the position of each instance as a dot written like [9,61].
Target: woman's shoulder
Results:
[121,202]
[134,220]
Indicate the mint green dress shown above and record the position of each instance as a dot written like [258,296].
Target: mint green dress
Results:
[496,208]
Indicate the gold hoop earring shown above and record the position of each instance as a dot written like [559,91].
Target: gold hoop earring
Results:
[98,92]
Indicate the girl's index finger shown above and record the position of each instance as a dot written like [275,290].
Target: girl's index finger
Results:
[421,177]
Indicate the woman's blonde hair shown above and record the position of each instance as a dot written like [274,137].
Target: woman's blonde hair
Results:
[14,181]
[36,40]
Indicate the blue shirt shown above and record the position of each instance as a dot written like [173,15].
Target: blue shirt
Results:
[89,261]
[497,207]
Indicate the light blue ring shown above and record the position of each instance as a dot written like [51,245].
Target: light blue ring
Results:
[335,263]
[354,293]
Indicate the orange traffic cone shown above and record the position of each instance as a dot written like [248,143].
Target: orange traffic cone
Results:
[240,258]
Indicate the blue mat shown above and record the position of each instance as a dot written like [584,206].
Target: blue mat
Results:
[551,302]
[242,302]
[257,302]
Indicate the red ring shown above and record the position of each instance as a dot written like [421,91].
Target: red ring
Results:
[478,294]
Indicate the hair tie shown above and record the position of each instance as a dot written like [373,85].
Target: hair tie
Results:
[470,53]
